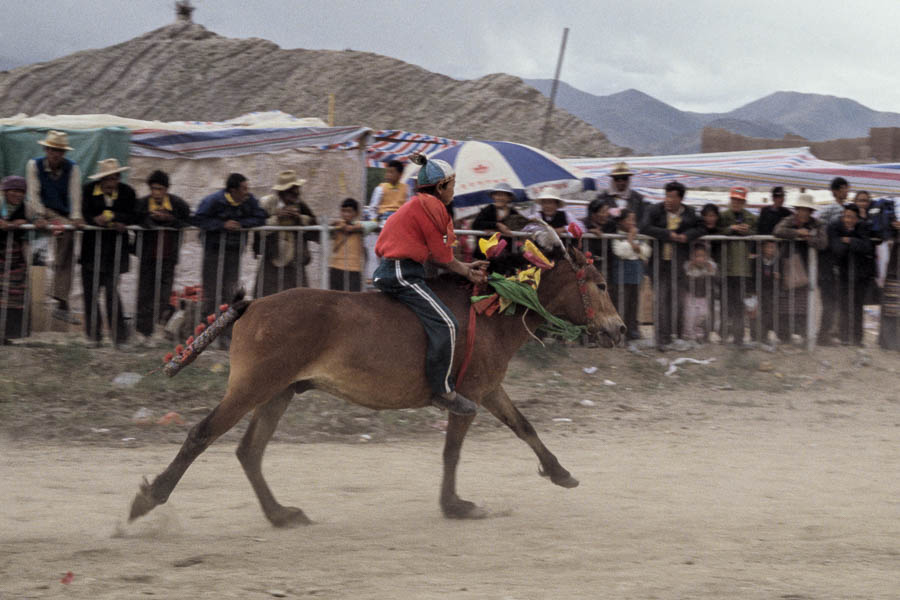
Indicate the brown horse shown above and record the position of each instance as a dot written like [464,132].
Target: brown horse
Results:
[369,349]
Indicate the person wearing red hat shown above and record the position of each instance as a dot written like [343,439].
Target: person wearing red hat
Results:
[737,221]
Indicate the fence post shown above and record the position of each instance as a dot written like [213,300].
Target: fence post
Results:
[325,251]
[813,257]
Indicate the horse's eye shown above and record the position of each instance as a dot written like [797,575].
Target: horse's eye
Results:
[602,287]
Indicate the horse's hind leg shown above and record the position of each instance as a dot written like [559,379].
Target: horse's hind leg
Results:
[452,505]
[222,418]
[502,407]
[250,453]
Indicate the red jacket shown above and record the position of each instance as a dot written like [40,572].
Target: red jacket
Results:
[417,231]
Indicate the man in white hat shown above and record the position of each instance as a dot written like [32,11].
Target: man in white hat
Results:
[54,195]
[112,206]
[286,253]
[620,195]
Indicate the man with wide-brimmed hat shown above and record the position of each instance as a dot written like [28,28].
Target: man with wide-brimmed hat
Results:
[620,195]
[54,195]
[286,253]
[110,205]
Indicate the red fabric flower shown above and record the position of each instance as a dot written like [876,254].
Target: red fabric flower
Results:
[199,329]
[210,319]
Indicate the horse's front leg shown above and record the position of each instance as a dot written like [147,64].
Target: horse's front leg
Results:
[502,407]
[452,505]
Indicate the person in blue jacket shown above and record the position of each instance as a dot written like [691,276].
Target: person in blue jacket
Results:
[224,216]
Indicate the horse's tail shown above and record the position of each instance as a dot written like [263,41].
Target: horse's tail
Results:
[194,347]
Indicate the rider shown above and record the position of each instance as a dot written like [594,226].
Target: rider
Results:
[422,230]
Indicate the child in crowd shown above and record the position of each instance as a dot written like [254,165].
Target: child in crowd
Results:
[348,254]
[700,274]
[762,317]
[626,271]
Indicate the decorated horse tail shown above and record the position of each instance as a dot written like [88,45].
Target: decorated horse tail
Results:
[185,355]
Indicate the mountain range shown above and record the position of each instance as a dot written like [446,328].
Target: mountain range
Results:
[185,72]
[649,126]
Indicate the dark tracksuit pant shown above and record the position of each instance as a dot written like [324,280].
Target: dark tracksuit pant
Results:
[404,280]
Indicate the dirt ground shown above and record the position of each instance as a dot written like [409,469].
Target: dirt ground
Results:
[759,475]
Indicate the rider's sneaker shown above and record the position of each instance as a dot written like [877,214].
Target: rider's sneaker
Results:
[455,403]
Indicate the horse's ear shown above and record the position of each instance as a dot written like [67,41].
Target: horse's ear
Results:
[543,235]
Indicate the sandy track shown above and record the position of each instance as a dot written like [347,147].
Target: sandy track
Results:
[724,509]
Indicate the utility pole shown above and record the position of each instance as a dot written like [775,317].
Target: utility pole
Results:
[562,51]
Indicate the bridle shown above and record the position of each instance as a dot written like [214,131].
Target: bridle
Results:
[582,282]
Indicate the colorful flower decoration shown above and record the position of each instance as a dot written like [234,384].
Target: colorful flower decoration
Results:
[492,246]
[533,255]
[575,229]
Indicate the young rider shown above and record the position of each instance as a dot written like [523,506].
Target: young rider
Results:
[422,230]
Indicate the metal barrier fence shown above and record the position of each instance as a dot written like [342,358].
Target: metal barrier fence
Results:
[760,285]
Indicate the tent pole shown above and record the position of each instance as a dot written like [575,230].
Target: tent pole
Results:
[562,51]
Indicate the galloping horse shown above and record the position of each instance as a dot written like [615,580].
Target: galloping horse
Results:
[369,349]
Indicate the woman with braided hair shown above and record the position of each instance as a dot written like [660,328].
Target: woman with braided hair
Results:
[421,231]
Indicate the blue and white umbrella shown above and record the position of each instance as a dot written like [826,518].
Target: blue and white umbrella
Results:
[480,166]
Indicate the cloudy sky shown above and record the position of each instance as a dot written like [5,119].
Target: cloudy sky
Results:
[704,55]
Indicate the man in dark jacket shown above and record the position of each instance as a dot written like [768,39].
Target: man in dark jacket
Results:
[158,250]
[770,216]
[675,225]
[110,204]
[853,253]
[222,215]
[620,195]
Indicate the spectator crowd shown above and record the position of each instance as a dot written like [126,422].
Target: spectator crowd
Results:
[702,265]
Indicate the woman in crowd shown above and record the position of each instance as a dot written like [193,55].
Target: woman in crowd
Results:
[13,266]
[803,231]
[552,212]
[500,215]
[598,222]
[626,271]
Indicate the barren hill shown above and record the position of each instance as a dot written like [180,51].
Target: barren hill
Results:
[185,72]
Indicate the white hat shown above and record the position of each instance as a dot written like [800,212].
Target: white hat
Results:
[287,180]
[107,167]
[550,196]
[56,139]
[804,201]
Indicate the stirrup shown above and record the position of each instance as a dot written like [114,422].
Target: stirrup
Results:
[455,403]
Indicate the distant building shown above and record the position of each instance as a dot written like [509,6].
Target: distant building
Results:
[882,144]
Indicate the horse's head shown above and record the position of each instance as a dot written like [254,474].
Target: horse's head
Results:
[576,291]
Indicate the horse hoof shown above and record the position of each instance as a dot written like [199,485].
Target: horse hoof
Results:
[567,482]
[143,502]
[463,509]
[289,516]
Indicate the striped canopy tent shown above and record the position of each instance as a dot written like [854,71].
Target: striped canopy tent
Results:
[796,167]
[393,144]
